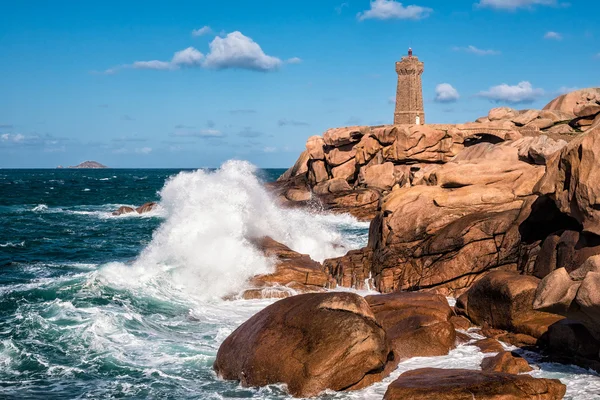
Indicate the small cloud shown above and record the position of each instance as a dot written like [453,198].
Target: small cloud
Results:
[249,133]
[242,111]
[181,126]
[127,118]
[512,5]
[270,149]
[6,126]
[154,64]
[553,36]
[339,9]
[144,150]
[205,30]
[474,50]
[12,137]
[523,92]
[391,9]
[239,51]
[293,60]
[291,122]
[445,93]
[189,57]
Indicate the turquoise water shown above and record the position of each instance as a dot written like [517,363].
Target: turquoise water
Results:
[97,306]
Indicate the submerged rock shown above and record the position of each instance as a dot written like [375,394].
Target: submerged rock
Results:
[294,273]
[462,384]
[310,342]
[506,361]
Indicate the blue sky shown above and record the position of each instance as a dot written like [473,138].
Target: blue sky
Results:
[194,83]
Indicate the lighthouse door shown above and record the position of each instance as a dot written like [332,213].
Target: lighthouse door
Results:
[418,120]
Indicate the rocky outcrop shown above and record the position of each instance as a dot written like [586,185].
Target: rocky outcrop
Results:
[144,208]
[294,273]
[451,384]
[445,236]
[571,180]
[504,300]
[505,361]
[416,324]
[310,342]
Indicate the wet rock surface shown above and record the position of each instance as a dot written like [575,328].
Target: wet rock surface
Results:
[451,384]
[310,342]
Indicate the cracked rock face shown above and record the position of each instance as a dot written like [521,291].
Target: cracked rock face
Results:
[445,236]
[310,342]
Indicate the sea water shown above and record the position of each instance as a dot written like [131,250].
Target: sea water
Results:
[100,306]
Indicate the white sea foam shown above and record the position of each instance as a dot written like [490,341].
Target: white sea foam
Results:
[11,244]
[204,247]
[40,208]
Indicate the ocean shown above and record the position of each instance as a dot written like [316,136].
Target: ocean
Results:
[100,306]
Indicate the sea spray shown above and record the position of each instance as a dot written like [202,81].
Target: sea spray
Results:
[204,247]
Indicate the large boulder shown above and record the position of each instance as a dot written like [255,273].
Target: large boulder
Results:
[567,102]
[416,324]
[294,272]
[310,342]
[572,180]
[462,384]
[504,300]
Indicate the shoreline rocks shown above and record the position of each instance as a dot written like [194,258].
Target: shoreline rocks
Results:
[454,384]
[310,342]
[143,209]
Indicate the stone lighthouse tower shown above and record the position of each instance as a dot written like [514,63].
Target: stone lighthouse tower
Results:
[409,94]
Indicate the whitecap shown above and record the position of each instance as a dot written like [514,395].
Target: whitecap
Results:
[40,208]
[11,244]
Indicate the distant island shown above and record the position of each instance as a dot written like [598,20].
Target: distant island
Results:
[88,164]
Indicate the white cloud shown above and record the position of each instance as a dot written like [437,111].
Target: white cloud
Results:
[205,30]
[188,57]
[154,64]
[144,150]
[12,137]
[391,9]
[270,149]
[475,50]
[515,4]
[524,92]
[232,51]
[238,51]
[445,93]
[553,36]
